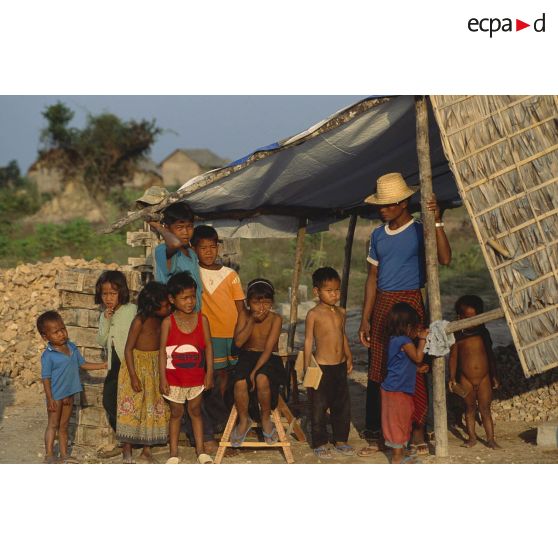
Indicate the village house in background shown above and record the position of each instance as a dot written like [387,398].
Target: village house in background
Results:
[176,169]
[183,164]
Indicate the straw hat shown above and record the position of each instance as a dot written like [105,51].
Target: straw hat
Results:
[153,195]
[391,188]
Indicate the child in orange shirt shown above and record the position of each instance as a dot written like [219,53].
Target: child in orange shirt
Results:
[222,302]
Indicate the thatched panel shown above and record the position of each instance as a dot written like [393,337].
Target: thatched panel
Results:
[503,152]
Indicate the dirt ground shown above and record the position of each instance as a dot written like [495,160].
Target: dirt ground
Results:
[23,420]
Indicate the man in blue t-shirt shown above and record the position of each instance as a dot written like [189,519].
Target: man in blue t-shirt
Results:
[60,364]
[396,273]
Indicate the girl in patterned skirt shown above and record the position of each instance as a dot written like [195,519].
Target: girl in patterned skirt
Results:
[142,415]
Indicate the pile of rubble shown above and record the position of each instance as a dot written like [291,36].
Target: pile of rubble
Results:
[521,398]
[25,292]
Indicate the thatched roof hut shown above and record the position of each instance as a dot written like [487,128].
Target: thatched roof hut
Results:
[503,152]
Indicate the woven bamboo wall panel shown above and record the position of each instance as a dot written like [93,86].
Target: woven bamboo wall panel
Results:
[503,152]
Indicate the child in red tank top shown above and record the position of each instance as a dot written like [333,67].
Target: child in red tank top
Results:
[185,362]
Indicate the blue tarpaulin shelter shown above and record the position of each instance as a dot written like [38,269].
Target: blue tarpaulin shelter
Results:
[322,174]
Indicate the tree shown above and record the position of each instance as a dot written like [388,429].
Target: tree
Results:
[10,176]
[103,154]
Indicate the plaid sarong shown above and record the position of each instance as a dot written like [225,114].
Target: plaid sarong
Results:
[379,339]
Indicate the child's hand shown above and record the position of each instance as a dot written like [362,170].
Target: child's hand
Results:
[164,386]
[349,365]
[208,382]
[51,405]
[422,332]
[423,368]
[261,315]
[253,380]
[136,384]
[451,383]
[495,383]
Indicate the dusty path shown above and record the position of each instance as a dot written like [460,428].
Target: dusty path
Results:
[23,417]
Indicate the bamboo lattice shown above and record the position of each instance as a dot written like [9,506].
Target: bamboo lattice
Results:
[503,152]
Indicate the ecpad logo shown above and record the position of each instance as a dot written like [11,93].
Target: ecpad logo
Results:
[492,25]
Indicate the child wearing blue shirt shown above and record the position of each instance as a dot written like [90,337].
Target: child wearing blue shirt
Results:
[60,364]
[176,254]
[398,388]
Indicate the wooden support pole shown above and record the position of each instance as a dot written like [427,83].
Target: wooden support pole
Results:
[489,316]
[294,300]
[433,284]
[347,262]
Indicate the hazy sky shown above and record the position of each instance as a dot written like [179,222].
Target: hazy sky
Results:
[231,126]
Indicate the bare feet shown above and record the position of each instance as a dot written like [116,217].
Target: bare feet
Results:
[469,443]
[493,445]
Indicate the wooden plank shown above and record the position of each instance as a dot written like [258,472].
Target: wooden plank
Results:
[433,283]
[347,260]
[83,336]
[283,441]
[294,300]
[483,318]
[292,421]
[226,436]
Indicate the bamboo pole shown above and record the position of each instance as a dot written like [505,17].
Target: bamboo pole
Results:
[433,284]
[294,300]
[489,316]
[347,262]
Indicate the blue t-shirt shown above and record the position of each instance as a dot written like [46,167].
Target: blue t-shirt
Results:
[179,262]
[401,370]
[62,370]
[399,256]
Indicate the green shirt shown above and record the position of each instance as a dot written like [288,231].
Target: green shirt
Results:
[114,331]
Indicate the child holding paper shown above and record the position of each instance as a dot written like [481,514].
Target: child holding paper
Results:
[325,326]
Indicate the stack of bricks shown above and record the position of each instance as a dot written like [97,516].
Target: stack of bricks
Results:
[81,315]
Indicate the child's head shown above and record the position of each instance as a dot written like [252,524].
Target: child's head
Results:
[179,219]
[52,328]
[259,296]
[153,300]
[327,285]
[111,290]
[182,292]
[468,306]
[205,242]
[402,319]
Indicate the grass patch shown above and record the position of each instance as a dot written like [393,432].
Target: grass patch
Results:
[78,239]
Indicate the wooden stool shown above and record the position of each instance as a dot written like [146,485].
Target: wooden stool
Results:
[283,442]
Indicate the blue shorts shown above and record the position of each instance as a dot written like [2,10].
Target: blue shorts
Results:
[225,352]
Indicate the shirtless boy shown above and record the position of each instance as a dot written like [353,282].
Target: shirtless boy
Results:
[471,358]
[259,374]
[325,326]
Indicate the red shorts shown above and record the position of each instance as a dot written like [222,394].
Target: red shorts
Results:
[397,417]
